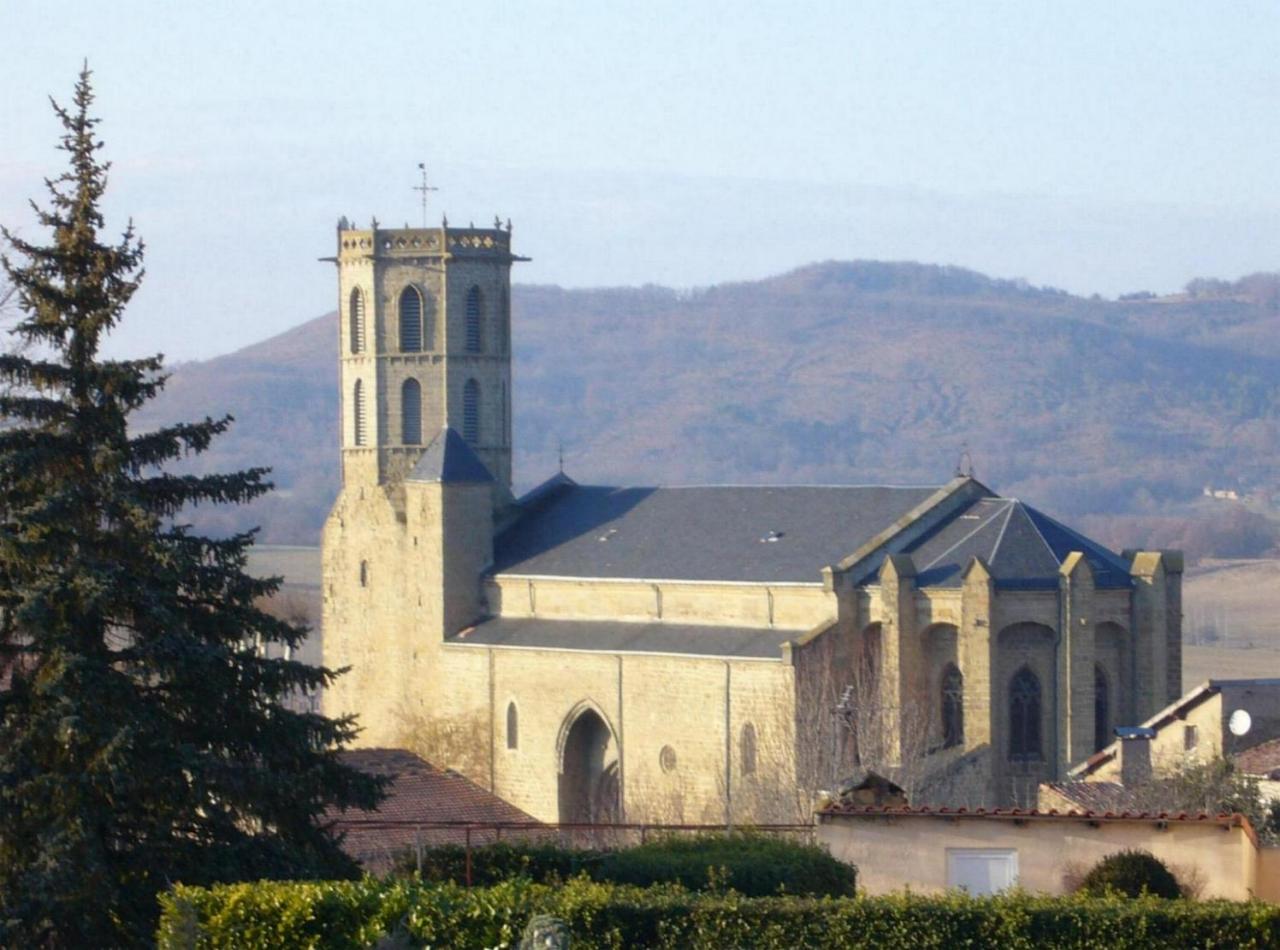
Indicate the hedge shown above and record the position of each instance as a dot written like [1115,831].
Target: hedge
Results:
[752,864]
[351,914]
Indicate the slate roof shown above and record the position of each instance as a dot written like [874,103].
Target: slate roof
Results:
[619,637]
[723,534]
[697,533]
[1021,546]
[420,794]
[447,458]
[1096,796]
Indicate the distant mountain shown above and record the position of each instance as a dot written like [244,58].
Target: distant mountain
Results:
[836,372]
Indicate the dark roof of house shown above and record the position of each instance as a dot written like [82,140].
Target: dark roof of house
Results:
[783,534]
[697,533]
[1096,796]
[621,637]
[1229,820]
[1021,546]
[1262,759]
[424,805]
[448,459]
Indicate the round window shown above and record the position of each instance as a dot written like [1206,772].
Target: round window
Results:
[667,759]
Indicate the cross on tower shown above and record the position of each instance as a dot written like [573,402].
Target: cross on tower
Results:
[425,189]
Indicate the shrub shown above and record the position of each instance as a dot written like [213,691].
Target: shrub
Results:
[1131,873]
[752,864]
[350,914]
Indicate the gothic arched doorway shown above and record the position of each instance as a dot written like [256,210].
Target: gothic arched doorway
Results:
[589,789]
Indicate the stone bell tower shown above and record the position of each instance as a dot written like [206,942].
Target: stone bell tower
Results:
[425,343]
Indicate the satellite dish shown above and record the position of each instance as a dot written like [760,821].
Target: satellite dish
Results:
[1240,722]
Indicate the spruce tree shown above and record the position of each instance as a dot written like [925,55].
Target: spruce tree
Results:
[144,735]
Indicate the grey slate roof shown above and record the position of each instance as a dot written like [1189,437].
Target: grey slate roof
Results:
[447,458]
[616,637]
[700,533]
[720,534]
[1021,546]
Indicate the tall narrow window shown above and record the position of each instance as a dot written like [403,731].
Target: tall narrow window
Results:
[1101,709]
[410,320]
[471,411]
[411,412]
[952,707]
[513,726]
[355,311]
[359,424]
[747,749]
[1024,716]
[504,323]
[475,310]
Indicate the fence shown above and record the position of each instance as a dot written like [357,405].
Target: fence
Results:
[377,843]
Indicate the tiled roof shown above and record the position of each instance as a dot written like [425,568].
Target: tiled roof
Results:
[1262,759]
[419,793]
[1096,796]
[788,534]
[1030,814]
[621,637]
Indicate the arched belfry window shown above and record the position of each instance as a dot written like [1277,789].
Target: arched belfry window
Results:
[471,411]
[952,707]
[1024,716]
[355,311]
[747,749]
[475,311]
[410,320]
[513,726]
[359,420]
[411,413]
[1101,709]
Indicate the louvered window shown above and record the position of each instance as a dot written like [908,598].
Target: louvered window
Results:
[356,314]
[410,320]
[475,310]
[1101,709]
[359,423]
[471,411]
[411,412]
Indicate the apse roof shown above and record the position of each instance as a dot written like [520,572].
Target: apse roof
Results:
[1021,547]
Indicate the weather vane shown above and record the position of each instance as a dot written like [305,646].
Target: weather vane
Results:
[425,189]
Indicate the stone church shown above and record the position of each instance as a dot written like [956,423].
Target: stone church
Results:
[698,653]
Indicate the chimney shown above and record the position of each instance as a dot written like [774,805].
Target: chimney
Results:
[1134,750]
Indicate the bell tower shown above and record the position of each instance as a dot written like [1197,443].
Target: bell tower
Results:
[424,343]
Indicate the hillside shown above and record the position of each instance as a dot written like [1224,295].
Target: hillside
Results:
[837,372]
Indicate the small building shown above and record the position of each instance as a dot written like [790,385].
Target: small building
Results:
[425,807]
[931,850]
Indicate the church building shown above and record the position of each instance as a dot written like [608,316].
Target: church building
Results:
[701,653]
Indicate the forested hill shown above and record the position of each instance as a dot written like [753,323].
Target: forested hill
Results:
[833,373]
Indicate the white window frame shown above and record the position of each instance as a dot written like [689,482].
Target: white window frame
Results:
[1009,857]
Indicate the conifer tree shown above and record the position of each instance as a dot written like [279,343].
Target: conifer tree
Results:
[144,735]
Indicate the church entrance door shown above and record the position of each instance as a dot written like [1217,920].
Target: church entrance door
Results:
[589,771]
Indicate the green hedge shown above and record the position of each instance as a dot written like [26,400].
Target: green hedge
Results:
[752,864]
[358,913]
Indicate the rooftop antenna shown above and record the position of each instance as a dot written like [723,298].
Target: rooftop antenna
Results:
[425,189]
[560,452]
[965,456]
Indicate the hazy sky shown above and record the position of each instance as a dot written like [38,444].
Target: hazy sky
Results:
[1096,146]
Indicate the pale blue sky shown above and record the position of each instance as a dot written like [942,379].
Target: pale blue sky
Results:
[1097,146]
